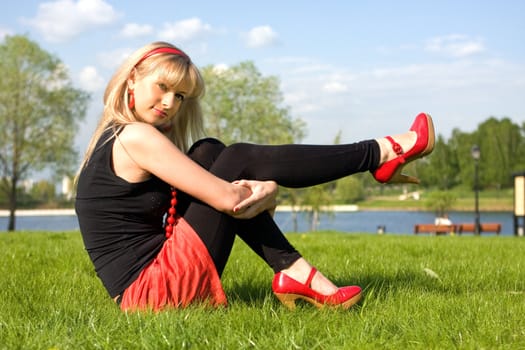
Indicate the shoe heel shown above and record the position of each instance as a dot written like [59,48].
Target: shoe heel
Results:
[431,137]
[287,300]
[398,177]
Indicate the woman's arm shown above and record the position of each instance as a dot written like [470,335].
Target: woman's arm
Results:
[147,151]
[263,198]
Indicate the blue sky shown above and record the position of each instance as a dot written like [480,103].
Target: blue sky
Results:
[364,68]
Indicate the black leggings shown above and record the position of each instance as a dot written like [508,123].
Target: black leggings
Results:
[292,166]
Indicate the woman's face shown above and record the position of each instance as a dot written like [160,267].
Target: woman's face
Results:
[156,102]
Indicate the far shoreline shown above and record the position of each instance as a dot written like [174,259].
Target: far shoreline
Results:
[280,208]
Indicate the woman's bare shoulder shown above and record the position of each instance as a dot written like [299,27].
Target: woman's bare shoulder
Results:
[139,132]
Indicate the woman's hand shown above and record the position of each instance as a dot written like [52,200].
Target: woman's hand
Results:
[263,198]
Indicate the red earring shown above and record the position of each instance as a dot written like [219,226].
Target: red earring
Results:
[131,99]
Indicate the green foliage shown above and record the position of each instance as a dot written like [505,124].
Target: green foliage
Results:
[440,169]
[349,190]
[317,199]
[502,145]
[43,191]
[502,151]
[40,112]
[441,202]
[461,144]
[419,292]
[243,106]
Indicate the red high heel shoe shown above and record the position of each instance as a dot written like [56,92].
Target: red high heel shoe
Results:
[390,171]
[287,290]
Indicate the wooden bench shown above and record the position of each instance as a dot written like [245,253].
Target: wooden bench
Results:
[434,229]
[493,227]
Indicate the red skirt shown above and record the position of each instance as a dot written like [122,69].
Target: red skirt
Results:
[182,273]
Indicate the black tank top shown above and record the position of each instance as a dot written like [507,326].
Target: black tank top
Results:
[121,222]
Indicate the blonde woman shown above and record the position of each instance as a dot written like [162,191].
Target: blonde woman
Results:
[158,218]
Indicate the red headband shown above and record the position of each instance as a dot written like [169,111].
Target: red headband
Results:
[171,50]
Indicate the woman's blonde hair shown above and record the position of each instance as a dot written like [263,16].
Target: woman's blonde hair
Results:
[187,125]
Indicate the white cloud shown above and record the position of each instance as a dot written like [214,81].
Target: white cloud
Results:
[112,59]
[61,20]
[220,68]
[291,60]
[185,31]
[335,87]
[5,32]
[90,79]
[133,30]
[455,45]
[261,36]
[301,101]
[373,102]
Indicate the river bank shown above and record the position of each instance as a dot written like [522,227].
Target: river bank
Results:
[360,221]
[489,201]
[68,212]
[393,206]
[39,212]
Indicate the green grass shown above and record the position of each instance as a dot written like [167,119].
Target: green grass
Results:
[489,200]
[419,292]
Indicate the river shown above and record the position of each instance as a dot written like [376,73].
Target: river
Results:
[394,222]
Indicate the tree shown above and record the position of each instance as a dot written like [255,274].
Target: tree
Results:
[40,113]
[440,169]
[318,199]
[43,192]
[460,144]
[501,145]
[350,189]
[441,202]
[242,105]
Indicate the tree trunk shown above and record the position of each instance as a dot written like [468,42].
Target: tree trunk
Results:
[11,224]
[315,220]
[12,206]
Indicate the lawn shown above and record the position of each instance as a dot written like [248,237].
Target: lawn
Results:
[419,292]
[502,200]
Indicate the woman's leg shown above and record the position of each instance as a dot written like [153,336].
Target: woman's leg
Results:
[217,230]
[296,166]
[290,166]
[284,164]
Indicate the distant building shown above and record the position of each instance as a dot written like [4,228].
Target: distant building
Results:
[27,185]
[67,187]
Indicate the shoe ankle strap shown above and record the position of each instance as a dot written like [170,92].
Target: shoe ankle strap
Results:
[308,282]
[395,146]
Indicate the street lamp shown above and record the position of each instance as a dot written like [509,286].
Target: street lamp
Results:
[476,154]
